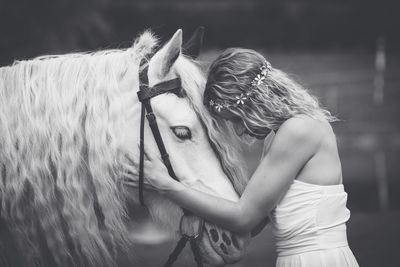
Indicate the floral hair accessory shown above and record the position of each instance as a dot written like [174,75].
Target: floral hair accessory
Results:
[240,99]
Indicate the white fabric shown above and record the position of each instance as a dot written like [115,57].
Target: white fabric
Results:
[309,225]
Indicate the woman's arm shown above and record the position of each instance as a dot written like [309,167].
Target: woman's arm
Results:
[294,144]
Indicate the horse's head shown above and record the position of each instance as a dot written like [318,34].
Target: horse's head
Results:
[67,125]
[184,125]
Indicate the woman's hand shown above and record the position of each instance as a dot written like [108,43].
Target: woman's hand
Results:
[155,173]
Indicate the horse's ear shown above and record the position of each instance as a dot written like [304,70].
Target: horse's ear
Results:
[193,46]
[168,54]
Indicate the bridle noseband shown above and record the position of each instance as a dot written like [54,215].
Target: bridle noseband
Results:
[145,94]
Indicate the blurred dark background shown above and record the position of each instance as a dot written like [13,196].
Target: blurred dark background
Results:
[29,28]
[346,51]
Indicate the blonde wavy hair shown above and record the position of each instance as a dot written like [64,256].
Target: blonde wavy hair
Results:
[272,102]
[60,152]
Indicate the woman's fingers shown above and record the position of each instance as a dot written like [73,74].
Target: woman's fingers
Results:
[154,171]
[130,160]
[127,181]
[156,175]
[130,166]
[130,170]
[134,182]
[145,152]
[150,153]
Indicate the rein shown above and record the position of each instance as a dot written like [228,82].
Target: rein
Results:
[145,94]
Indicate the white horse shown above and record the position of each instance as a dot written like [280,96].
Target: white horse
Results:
[69,127]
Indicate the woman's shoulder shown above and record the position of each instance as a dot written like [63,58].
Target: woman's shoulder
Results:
[303,129]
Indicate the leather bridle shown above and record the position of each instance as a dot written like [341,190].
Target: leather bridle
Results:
[145,94]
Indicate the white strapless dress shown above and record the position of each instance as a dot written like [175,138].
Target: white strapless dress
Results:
[309,226]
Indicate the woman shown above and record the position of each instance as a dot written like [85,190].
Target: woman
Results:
[298,182]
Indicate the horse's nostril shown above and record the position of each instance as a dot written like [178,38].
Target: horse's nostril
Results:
[223,248]
[214,235]
[226,239]
[234,241]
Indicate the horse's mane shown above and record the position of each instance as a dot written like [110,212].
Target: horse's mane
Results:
[59,152]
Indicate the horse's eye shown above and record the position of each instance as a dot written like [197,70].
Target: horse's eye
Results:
[182,132]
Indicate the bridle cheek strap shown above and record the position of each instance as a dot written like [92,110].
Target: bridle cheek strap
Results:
[145,94]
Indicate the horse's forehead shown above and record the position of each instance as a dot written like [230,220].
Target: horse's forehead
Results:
[173,109]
